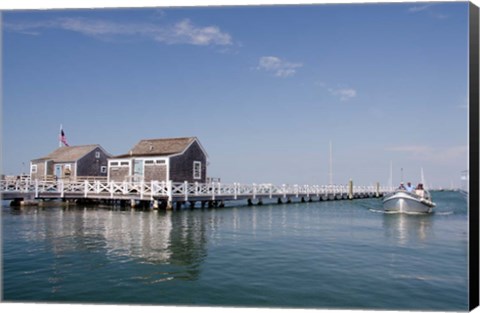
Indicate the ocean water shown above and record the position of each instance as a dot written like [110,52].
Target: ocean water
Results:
[331,254]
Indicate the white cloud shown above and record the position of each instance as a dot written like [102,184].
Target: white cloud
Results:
[344,94]
[279,67]
[427,8]
[183,32]
[419,8]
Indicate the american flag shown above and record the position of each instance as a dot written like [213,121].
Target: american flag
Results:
[63,139]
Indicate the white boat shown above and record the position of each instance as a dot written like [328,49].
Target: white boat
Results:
[402,201]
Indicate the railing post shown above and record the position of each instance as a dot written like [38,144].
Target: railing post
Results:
[235,190]
[142,189]
[163,186]
[111,188]
[36,188]
[125,189]
[152,189]
[60,186]
[196,188]
[254,191]
[185,189]
[86,188]
[213,190]
[97,187]
[270,191]
[169,195]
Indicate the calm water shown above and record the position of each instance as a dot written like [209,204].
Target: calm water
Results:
[342,254]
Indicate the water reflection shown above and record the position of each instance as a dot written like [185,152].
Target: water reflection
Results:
[404,228]
[158,238]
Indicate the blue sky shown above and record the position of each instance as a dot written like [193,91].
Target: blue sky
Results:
[264,88]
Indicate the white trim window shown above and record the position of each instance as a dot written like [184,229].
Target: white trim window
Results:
[197,170]
[103,169]
[33,169]
[118,163]
[97,155]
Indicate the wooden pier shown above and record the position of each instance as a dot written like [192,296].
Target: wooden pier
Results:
[156,194]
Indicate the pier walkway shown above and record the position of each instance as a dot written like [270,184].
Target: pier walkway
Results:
[169,193]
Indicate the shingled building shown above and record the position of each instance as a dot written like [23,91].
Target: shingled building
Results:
[175,159]
[71,162]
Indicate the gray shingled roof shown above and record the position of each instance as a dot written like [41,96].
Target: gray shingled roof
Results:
[69,154]
[160,147]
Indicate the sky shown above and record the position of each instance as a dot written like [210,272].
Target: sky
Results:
[264,88]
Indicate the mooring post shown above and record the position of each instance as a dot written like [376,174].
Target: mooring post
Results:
[377,190]
[36,188]
[350,189]
[235,190]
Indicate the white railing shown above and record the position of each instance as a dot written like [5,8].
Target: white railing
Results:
[185,190]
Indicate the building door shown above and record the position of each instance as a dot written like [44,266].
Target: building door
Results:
[58,170]
[138,170]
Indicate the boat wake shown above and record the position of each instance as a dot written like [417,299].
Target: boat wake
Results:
[444,213]
[398,212]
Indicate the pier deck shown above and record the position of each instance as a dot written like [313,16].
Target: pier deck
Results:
[174,192]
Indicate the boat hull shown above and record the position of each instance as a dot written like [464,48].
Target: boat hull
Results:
[403,202]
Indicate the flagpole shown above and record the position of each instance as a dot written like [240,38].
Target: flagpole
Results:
[60,136]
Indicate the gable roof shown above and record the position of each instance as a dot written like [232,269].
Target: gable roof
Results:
[70,154]
[161,147]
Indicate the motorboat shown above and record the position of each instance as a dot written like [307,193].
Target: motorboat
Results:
[403,201]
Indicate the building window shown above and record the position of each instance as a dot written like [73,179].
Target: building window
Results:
[113,163]
[34,169]
[148,162]
[197,170]
[97,155]
[124,163]
[160,161]
[103,169]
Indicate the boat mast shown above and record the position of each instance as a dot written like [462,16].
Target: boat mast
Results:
[331,166]
[390,182]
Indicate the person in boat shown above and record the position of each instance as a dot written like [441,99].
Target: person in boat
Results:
[401,187]
[419,191]
[409,187]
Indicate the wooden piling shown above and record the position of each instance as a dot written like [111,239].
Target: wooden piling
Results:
[350,189]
